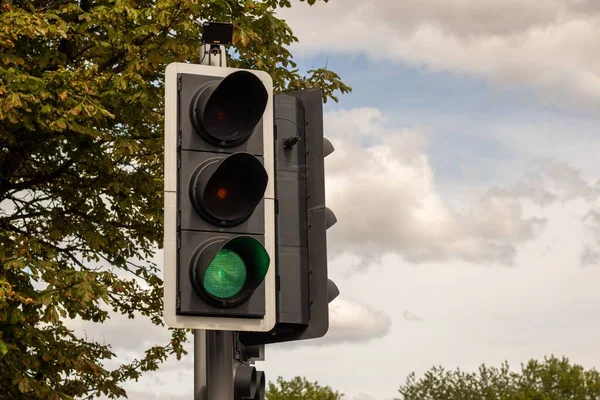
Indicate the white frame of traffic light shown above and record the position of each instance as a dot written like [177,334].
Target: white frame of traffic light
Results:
[170,207]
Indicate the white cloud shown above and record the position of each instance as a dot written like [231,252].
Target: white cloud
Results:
[139,395]
[382,188]
[354,322]
[349,322]
[549,46]
[111,332]
[364,396]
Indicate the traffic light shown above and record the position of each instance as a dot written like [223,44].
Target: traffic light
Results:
[248,382]
[219,219]
[303,288]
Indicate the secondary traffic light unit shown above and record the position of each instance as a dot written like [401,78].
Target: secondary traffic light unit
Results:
[303,288]
[249,383]
[219,217]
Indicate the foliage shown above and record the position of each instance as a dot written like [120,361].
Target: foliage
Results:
[299,388]
[550,379]
[81,97]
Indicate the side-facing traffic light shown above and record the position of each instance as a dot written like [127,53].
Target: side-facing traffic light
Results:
[219,199]
[303,288]
[249,384]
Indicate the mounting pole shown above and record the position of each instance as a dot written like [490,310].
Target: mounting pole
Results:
[200,382]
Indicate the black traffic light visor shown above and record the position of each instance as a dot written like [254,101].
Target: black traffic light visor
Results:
[225,112]
[260,386]
[245,382]
[225,273]
[226,191]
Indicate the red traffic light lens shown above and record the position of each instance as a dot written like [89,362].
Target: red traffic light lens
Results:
[226,112]
[221,116]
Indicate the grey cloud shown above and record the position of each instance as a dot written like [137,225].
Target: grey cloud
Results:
[547,46]
[409,316]
[463,18]
[593,219]
[466,18]
[546,181]
[590,256]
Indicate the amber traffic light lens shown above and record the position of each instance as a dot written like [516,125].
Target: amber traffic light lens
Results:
[222,193]
[226,190]
[234,190]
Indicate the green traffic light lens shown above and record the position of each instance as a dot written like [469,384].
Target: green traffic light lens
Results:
[226,275]
[226,272]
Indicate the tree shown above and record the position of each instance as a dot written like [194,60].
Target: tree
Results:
[81,108]
[299,388]
[550,379]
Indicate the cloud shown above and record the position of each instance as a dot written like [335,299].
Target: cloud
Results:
[129,339]
[364,396]
[382,188]
[111,332]
[590,255]
[548,46]
[354,322]
[409,316]
[139,395]
[546,181]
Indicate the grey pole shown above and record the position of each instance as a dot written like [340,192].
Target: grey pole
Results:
[200,391]
[219,365]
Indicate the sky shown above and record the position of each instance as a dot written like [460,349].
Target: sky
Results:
[465,183]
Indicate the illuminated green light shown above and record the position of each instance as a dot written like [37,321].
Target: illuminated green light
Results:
[226,275]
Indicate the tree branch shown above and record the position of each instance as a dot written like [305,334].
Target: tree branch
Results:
[44,178]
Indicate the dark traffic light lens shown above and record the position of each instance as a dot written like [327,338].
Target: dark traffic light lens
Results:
[226,191]
[226,275]
[227,119]
[226,112]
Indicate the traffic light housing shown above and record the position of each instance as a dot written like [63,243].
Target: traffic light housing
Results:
[248,382]
[219,220]
[303,288]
